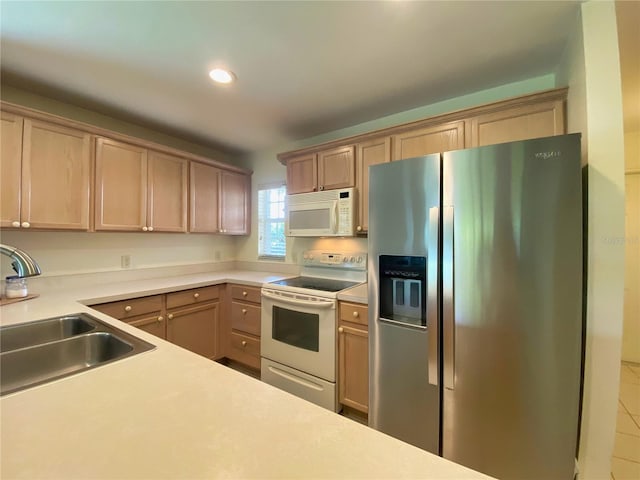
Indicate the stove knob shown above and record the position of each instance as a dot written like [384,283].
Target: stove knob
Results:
[359,259]
[352,259]
[345,259]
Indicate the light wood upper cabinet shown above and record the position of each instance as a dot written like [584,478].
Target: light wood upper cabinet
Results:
[327,170]
[336,168]
[10,169]
[45,175]
[234,203]
[219,200]
[432,139]
[121,186]
[518,123]
[302,174]
[167,192]
[368,153]
[139,189]
[205,191]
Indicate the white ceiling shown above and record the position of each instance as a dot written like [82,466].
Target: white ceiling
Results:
[303,68]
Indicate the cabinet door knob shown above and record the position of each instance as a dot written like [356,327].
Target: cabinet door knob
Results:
[15,224]
[244,311]
[151,229]
[244,343]
[244,294]
[359,228]
[340,330]
[128,308]
[321,187]
[170,316]
[196,295]
[144,229]
[160,319]
[356,314]
[26,224]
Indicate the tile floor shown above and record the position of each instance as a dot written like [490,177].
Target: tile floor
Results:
[625,464]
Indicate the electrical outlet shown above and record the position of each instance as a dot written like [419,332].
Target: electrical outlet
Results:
[125,261]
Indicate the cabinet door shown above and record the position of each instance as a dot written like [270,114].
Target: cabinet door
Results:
[234,203]
[10,169]
[195,328]
[121,186]
[302,174]
[204,207]
[336,168]
[433,139]
[153,324]
[167,193]
[353,364]
[56,163]
[518,123]
[368,153]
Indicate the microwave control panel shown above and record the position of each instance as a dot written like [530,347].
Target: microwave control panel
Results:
[346,208]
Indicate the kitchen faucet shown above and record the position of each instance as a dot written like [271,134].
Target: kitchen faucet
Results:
[22,263]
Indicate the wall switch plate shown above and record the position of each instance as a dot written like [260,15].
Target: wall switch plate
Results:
[125,261]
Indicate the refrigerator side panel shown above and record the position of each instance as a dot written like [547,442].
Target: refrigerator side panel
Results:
[512,323]
[404,398]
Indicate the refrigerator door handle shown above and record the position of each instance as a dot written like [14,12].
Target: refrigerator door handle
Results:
[448,317]
[432,297]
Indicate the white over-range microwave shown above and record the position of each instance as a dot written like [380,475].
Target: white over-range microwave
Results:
[330,213]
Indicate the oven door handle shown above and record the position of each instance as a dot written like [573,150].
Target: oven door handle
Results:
[300,303]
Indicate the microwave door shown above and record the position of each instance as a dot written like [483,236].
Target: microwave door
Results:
[312,219]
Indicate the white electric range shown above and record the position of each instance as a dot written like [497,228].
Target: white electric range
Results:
[299,325]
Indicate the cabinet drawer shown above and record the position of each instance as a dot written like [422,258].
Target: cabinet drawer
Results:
[245,318]
[247,294]
[354,313]
[245,349]
[126,309]
[192,296]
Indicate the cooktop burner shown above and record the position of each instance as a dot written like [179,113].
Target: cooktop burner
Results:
[314,283]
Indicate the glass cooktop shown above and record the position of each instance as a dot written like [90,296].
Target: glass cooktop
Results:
[313,283]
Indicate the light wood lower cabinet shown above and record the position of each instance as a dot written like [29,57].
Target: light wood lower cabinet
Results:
[243,326]
[353,356]
[188,318]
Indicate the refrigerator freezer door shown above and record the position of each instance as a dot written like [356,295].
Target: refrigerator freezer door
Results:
[404,399]
[511,396]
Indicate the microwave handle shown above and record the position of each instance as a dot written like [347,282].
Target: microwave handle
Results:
[334,218]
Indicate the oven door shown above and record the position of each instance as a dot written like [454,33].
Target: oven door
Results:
[299,331]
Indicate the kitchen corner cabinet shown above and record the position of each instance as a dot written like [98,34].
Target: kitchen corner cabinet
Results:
[45,172]
[326,170]
[139,189]
[534,120]
[192,320]
[353,356]
[219,200]
[243,329]
[145,313]
[432,139]
[368,153]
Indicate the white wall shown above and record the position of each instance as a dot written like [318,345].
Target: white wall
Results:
[268,170]
[591,69]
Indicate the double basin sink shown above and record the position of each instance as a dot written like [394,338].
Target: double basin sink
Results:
[38,352]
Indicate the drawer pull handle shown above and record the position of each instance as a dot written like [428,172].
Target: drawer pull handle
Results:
[196,295]
[244,311]
[128,308]
[244,294]
[244,343]
[160,319]
[340,330]
[170,316]
[356,314]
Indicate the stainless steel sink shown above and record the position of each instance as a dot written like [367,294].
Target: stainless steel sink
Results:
[60,347]
[43,331]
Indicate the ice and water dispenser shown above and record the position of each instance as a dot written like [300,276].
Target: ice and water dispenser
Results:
[403,284]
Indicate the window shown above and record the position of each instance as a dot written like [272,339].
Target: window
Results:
[271,240]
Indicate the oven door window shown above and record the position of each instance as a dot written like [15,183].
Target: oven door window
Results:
[298,329]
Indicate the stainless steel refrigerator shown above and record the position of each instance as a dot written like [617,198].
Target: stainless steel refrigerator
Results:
[475,305]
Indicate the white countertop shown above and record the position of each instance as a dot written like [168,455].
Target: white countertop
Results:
[357,294]
[169,413]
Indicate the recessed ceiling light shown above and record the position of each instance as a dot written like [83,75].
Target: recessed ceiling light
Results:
[220,75]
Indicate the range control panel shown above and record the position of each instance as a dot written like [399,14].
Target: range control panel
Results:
[321,258]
